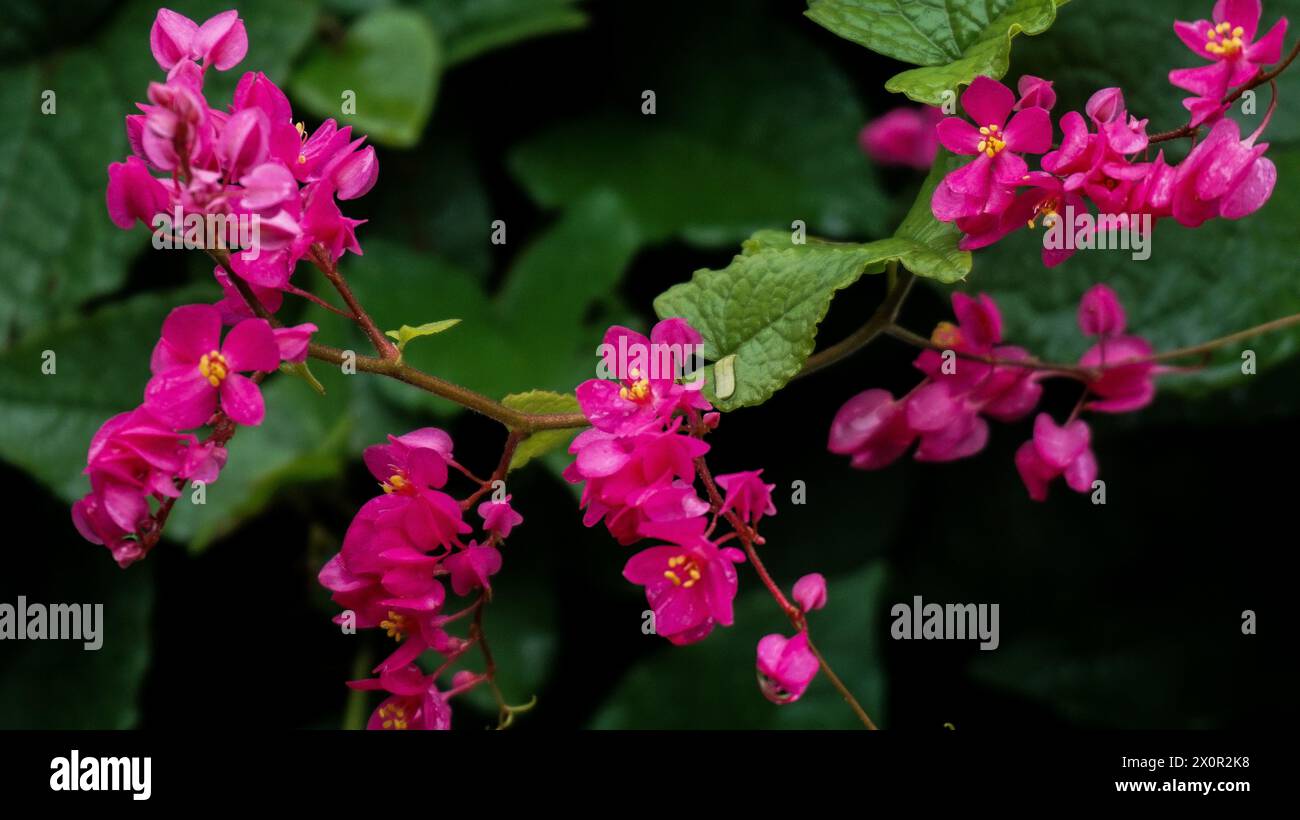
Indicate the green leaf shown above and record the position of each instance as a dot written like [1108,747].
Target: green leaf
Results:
[722,692]
[44,684]
[390,58]
[101,366]
[543,442]
[714,164]
[406,333]
[955,40]
[538,332]
[302,439]
[764,308]
[470,28]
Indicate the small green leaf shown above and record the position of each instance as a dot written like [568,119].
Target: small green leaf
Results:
[390,60]
[955,41]
[760,313]
[541,443]
[300,370]
[406,333]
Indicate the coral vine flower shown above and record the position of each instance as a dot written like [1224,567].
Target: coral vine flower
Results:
[133,193]
[810,591]
[194,371]
[747,495]
[785,667]
[904,136]
[996,143]
[221,41]
[690,585]
[499,518]
[1228,40]
[1057,450]
[414,702]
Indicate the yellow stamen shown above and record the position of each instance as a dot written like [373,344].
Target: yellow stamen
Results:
[214,367]
[946,335]
[394,625]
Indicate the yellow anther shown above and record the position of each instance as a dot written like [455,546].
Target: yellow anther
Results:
[985,130]
[672,576]
[394,625]
[637,392]
[395,483]
[946,335]
[214,367]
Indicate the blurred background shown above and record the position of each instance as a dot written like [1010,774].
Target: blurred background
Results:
[529,112]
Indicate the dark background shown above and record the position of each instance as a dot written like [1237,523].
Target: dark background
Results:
[1123,615]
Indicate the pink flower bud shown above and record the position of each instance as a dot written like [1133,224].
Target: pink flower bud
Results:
[293,342]
[267,186]
[1035,92]
[904,136]
[810,591]
[355,174]
[222,41]
[133,193]
[171,37]
[1100,313]
[244,141]
[785,667]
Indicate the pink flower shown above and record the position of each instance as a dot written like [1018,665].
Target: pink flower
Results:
[946,411]
[408,467]
[414,702]
[499,518]
[1127,379]
[903,136]
[1229,42]
[810,592]
[133,193]
[872,428]
[630,480]
[747,495]
[293,342]
[221,41]
[193,370]
[646,393]
[233,308]
[471,568]
[1043,197]
[691,585]
[996,144]
[1035,92]
[1054,451]
[1100,313]
[1223,176]
[785,667]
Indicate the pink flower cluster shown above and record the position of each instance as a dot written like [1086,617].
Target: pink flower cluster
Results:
[400,550]
[1097,161]
[638,466]
[249,161]
[973,377]
[145,454]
